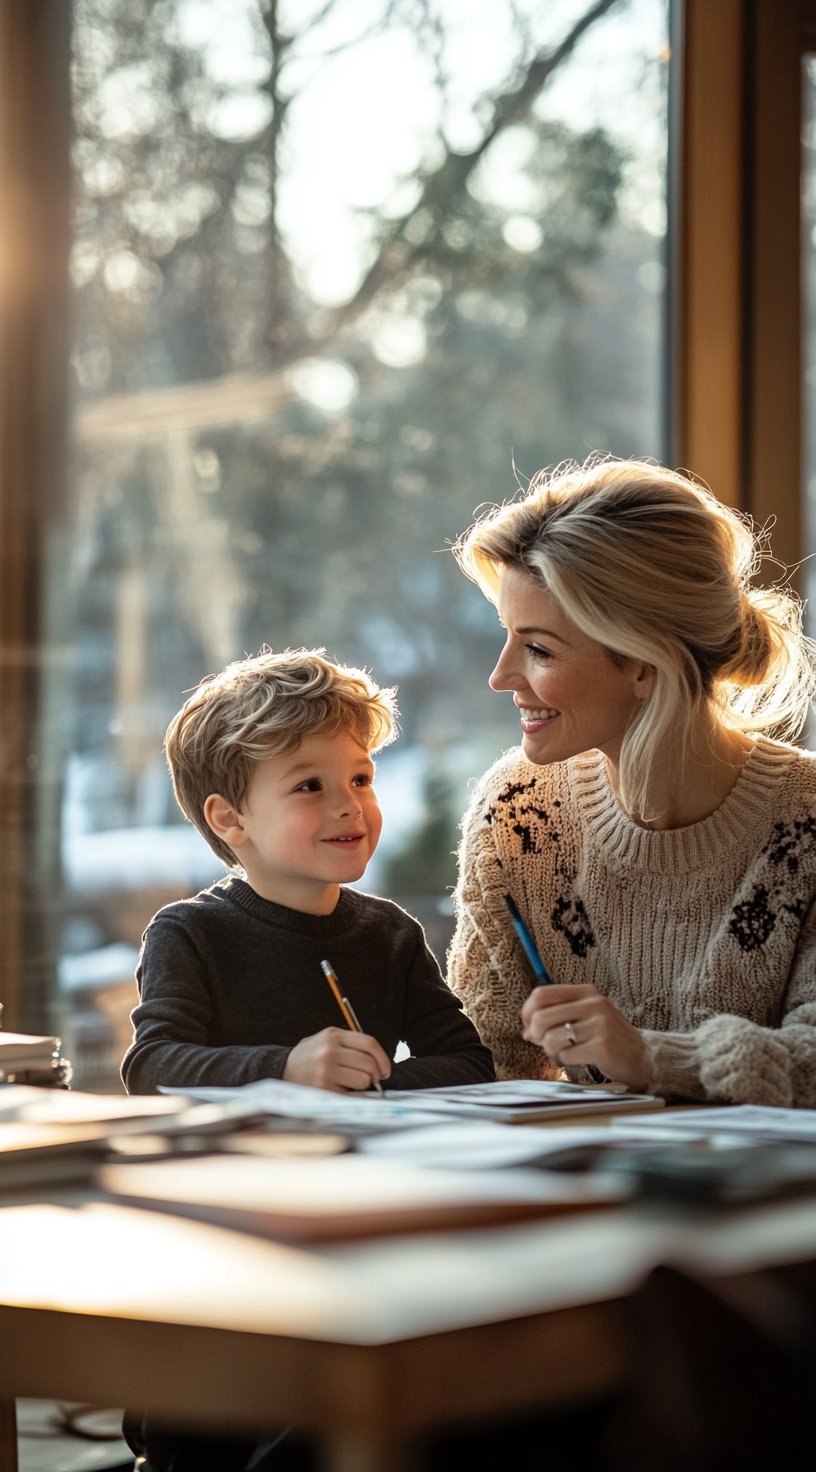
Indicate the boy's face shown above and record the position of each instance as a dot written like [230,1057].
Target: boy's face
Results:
[309,822]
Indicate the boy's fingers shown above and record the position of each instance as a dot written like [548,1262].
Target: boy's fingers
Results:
[352,1079]
[370,1047]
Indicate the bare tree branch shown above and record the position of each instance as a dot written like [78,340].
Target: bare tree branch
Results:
[281,331]
[409,239]
[431,37]
[375,29]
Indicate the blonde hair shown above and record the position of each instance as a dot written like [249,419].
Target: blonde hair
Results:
[655,568]
[262,707]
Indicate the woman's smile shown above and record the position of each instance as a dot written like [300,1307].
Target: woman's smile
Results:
[535,720]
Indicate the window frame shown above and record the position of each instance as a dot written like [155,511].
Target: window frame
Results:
[738,400]
[35,210]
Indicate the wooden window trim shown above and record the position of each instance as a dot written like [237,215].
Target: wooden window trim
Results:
[35,125]
[738,389]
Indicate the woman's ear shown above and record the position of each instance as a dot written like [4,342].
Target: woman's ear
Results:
[225,821]
[645,676]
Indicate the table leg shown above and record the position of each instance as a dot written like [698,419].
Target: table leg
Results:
[8,1436]
[369,1453]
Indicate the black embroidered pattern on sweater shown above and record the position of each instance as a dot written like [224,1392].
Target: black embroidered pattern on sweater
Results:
[790,841]
[571,918]
[527,820]
[753,921]
[515,790]
[527,836]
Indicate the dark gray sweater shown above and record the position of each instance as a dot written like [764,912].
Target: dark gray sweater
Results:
[230,982]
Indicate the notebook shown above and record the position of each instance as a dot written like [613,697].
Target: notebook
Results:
[346,1196]
[528,1101]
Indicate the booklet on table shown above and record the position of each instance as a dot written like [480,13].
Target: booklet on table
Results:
[526,1101]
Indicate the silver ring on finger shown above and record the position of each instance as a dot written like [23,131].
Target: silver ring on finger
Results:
[570,1031]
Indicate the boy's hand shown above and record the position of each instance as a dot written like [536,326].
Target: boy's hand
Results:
[337,1060]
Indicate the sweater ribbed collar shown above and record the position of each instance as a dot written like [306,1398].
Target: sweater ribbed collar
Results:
[242,894]
[737,823]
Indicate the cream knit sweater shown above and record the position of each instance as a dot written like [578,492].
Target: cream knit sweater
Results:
[704,937]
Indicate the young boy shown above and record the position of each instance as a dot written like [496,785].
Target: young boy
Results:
[271,760]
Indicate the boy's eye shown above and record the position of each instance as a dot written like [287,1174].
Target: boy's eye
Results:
[538,653]
[365,779]
[312,784]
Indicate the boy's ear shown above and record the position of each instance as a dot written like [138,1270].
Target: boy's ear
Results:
[225,821]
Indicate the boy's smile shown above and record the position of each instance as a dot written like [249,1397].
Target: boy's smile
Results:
[309,822]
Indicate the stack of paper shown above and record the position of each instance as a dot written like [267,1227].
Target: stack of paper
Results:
[20,1051]
[527,1101]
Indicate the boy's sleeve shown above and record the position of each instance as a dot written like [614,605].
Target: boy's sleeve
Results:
[445,1046]
[173,1018]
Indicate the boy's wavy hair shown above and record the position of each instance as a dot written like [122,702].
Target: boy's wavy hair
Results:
[261,707]
[656,569]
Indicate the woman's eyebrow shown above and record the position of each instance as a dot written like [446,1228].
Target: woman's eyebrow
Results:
[548,634]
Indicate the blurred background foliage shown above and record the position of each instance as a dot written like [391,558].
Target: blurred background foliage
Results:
[260,459]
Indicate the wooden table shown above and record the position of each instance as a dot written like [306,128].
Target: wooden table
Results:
[368,1346]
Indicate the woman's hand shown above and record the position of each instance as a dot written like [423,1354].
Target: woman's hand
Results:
[337,1060]
[576,1024]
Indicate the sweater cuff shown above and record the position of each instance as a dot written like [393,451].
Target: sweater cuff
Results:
[674,1065]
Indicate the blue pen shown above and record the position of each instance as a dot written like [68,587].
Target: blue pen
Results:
[543,978]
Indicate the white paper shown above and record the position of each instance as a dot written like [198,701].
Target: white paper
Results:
[758,1121]
[295,1101]
[472,1146]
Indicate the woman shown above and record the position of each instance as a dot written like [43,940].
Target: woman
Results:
[660,847]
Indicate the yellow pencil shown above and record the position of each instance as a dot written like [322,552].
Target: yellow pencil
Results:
[344,1004]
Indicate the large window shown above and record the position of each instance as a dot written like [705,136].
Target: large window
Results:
[343,273]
